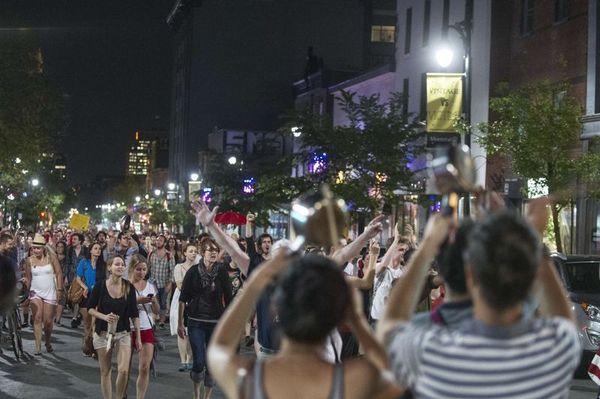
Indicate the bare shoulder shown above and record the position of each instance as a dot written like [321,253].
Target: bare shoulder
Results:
[360,378]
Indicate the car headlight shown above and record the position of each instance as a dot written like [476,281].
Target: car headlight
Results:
[592,311]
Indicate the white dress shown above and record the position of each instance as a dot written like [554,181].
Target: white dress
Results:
[43,285]
[178,276]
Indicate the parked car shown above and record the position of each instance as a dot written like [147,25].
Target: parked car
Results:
[580,275]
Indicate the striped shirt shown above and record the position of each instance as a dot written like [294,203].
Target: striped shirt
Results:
[534,358]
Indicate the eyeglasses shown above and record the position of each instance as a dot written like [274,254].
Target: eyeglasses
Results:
[212,249]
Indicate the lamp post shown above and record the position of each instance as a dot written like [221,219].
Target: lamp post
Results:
[444,57]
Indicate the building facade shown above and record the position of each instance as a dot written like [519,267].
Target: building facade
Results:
[426,25]
[233,61]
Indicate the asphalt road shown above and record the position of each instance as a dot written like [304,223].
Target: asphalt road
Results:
[66,373]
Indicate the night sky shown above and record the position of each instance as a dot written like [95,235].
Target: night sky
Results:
[112,60]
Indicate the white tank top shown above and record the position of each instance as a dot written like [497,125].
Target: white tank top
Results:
[42,281]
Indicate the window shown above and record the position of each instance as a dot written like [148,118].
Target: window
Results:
[527,14]
[445,18]
[562,9]
[383,33]
[408,30]
[426,22]
[405,89]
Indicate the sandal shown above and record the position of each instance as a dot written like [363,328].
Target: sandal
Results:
[49,348]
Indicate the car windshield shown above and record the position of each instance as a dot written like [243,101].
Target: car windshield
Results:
[583,276]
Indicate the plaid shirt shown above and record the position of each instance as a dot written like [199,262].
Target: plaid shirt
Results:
[21,253]
[161,269]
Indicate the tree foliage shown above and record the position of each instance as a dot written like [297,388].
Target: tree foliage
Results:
[365,160]
[31,111]
[537,127]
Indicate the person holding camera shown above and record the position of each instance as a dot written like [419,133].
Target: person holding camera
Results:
[147,303]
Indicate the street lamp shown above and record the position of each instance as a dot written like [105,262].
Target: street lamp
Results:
[35,182]
[171,186]
[138,198]
[232,160]
[444,57]
[296,131]
[194,176]
[157,192]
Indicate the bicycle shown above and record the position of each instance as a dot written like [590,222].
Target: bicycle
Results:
[14,322]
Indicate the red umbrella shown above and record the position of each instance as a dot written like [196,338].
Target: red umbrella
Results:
[230,217]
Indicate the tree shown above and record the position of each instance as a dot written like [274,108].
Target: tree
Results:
[364,161]
[537,128]
[367,160]
[31,112]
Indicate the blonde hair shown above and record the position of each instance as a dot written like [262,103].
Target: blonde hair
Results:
[133,262]
[124,285]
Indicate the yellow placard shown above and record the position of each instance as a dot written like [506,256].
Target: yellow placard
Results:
[79,221]
[444,101]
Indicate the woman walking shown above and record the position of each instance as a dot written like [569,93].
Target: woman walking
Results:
[89,271]
[183,344]
[147,303]
[61,254]
[205,292]
[113,302]
[45,281]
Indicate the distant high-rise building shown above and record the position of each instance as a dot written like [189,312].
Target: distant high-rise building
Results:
[138,159]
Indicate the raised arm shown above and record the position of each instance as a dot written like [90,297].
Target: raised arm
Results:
[548,289]
[352,250]
[207,218]
[406,293]
[223,360]
[366,282]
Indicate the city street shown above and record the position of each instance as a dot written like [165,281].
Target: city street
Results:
[66,373]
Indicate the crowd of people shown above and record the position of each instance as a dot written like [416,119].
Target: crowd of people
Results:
[472,309]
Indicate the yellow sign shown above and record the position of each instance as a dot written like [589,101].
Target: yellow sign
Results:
[444,101]
[79,221]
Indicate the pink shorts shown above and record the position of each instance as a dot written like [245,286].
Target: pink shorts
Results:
[34,295]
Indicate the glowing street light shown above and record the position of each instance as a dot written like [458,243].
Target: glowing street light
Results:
[444,56]
[171,186]
[157,192]
[296,131]
[35,182]
[138,198]
[232,160]
[194,176]
[17,160]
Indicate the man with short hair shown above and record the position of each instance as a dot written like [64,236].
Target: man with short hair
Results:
[123,248]
[101,239]
[160,267]
[500,350]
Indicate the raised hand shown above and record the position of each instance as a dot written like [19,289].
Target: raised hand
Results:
[374,227]
[538,213]
[437,229]
[203,214]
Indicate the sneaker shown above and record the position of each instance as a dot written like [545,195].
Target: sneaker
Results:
[74,323]
[189,366]
[161,326]
[183,367]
